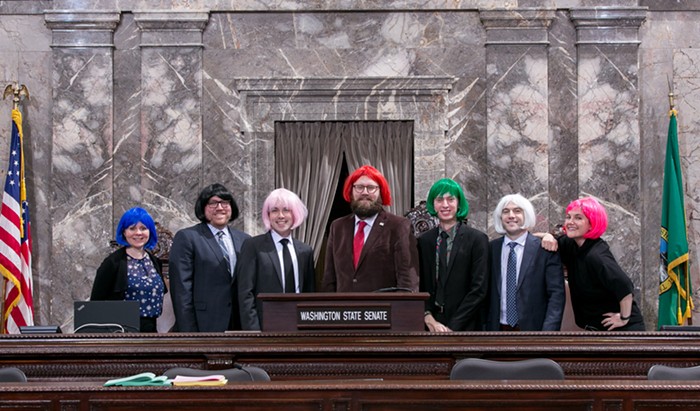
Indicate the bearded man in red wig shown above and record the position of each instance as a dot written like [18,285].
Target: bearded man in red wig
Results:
[370,249]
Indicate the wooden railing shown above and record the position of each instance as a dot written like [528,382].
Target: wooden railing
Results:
[312,356]
[351,395]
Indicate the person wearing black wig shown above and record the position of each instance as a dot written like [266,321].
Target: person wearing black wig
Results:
[202,264]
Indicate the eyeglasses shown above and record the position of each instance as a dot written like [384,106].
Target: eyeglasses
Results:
[360,188]
[280,211]
[215,204]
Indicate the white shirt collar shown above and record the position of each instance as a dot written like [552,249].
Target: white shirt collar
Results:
[276,237]
[520,240]
[368,220]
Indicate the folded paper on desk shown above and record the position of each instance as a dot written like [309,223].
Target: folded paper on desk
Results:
[145,378]
[181,380]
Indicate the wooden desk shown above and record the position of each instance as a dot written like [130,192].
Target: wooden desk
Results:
[604,395]
[298,356]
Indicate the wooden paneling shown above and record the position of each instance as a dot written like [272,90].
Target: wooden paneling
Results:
[603,395]
[305,356]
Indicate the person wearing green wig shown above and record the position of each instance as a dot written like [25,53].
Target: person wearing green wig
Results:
[453,263]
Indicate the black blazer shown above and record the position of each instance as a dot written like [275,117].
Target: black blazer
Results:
[260,272]
[467,277]
[111,277]
[203,292]
[541,295]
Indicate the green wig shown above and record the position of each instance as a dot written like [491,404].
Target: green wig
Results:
[448,186]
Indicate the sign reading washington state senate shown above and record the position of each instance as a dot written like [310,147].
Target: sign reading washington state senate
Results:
[313,316]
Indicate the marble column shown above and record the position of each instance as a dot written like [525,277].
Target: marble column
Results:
[81,155]
[517,93]
[609,137]
[172,169]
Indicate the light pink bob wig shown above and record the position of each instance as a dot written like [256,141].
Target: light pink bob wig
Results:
[594,212]
[283,198]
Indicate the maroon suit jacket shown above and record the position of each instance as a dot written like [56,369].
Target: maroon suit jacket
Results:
[389,257]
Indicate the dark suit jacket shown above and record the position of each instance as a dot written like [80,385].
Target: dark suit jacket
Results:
[111,278]
[261,272]
[541,295]
[388,258]
[467,277]
[204,295]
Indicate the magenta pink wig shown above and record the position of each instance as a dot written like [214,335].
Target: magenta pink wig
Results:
[375,175]
[594,212]
[283,198]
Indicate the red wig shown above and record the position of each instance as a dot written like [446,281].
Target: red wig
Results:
[375,175]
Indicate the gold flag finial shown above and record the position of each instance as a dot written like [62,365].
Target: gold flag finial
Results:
[671,103]
[16,91]
[671,96]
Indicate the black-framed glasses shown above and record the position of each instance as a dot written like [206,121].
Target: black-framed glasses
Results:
[360,188]
[215,204]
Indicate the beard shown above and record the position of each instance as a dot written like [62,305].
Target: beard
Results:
[364,208]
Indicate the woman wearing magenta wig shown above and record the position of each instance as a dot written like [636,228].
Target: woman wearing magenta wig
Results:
[601,292]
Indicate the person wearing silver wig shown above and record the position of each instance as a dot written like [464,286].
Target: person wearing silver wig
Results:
[527,282]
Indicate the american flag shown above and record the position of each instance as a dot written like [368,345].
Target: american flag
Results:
[16,239]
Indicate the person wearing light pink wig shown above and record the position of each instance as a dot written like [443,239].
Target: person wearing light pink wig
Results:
[274,262]
[602,294]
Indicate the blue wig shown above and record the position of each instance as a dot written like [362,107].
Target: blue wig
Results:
[131,217]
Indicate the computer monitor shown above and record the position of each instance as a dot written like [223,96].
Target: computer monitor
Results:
[106,316]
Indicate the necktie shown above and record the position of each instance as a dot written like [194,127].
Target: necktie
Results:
[227,255]
[289,285]
[512,287]
[442,269]
[358,242]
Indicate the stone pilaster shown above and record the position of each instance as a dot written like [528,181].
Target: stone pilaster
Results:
[517,117]
[81,155]
[175,161]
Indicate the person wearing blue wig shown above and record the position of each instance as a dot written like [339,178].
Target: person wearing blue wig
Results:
[453,263]
[132,272]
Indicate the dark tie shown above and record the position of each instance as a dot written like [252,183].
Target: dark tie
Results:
[289,285]
[358,242]
[220,239]
[442,269]
[512,286]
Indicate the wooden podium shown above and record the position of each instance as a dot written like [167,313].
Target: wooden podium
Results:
[389,311]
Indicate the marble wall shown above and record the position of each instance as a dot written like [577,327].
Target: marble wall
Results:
[145,102]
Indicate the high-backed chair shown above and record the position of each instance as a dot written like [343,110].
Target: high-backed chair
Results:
[231,374]
[664,372]
[531,369]
[420,219]
[12,374]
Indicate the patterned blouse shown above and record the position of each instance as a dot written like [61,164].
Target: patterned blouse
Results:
[144,285]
